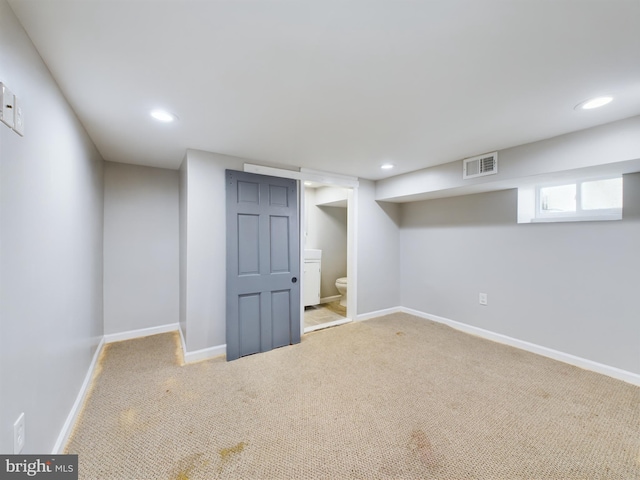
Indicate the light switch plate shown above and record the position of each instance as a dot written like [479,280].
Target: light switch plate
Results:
[6,102]
[18,117]
[19,434]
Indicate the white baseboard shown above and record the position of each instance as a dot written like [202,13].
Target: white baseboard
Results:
[142,332]
[610,371]
[333,298]
[377,313]
[203,354]
[67,428]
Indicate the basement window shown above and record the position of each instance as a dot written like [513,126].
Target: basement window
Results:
[582,200]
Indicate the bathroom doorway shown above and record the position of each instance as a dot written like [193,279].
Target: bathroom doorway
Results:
[330,192]
[325,235]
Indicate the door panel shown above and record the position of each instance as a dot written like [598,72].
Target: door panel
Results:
[280,249]
[263,263]
[249,323]
[249,245]
[280,302]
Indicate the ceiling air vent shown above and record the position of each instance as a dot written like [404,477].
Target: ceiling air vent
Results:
[480,166]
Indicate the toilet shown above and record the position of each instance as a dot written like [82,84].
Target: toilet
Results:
[341,285]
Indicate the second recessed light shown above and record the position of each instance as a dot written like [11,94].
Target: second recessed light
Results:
[163,116]
[594,103]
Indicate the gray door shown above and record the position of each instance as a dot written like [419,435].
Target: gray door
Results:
[263,263]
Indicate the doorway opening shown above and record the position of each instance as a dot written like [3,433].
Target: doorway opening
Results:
[325,228]
[334,199]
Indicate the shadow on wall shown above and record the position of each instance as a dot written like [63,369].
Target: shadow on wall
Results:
[481,209]
[392,210]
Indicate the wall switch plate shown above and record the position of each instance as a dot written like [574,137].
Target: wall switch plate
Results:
[483,299]
[18,118]
[6,104]
[18,434]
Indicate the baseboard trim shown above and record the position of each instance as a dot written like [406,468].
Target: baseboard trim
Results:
[614,372]
[377,313]
[205,353]
[333,298]
[202,354]
[142,332]
[67,428]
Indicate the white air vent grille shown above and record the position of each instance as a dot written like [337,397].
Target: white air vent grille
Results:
[480,166]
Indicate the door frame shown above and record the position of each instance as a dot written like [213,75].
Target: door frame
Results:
[334,180]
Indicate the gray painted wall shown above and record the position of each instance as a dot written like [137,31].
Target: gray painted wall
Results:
[327,230]
[378,251]
[205,285]
[571,287]
[183,186]
[51,216]
[141,255]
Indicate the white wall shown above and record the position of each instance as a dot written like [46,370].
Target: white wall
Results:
[327,231]
[205,256]
[183,187]
[141,255]
[378,251]
[51,215]
[571,287]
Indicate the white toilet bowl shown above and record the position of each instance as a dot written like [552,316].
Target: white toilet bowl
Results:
[341,285]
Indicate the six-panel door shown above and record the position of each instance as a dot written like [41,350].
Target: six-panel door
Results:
[263,263]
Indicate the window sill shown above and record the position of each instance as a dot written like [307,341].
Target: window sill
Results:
[577,218]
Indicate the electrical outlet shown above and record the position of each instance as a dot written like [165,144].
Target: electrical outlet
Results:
[19,434]
[483,299]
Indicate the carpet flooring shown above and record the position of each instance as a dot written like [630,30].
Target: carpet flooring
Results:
[395,397]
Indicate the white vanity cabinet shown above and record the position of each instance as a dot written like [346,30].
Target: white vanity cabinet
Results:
[312,274]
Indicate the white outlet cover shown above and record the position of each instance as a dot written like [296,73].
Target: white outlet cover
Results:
[483,299]
[19,431]
[6,102]
[18,119]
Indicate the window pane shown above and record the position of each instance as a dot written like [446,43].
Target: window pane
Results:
[602,194]
[558,199]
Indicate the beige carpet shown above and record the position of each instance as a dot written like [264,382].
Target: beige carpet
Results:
[395,397]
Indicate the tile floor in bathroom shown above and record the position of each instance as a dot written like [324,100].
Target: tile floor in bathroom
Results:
[323,313]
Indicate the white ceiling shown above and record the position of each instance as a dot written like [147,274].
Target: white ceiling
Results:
[341,86]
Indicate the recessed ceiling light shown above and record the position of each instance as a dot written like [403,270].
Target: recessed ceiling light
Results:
[387,166]
[163,116]
[594,103]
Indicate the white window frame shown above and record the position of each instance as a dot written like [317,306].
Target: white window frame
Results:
[580,214]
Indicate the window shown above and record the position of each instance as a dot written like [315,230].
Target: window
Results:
[592,199]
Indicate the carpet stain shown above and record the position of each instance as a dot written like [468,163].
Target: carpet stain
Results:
[226,453]
[170,383]
[186,466]
[542,393]
[178,352]
[421,446]
[128,417]
[400,334]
